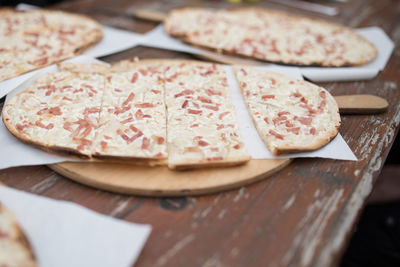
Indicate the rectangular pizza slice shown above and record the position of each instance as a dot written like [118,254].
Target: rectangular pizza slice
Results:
[202,127]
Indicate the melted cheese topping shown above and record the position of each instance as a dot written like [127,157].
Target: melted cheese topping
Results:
[289,114]
[272,36]
[37,38]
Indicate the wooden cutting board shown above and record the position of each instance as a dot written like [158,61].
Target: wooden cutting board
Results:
[160,181]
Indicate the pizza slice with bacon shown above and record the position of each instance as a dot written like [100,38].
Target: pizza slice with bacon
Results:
[290,115]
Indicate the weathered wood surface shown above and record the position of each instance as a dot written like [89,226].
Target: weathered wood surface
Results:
[303,215]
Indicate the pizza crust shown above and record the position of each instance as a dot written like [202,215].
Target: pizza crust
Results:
[272,36]
[15,249]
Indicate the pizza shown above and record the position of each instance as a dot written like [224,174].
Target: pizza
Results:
[290,115]
[15,249]
[33,39]
[152,112]
[272,36]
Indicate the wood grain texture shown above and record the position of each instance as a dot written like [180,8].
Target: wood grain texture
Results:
[301,216]
[161,181]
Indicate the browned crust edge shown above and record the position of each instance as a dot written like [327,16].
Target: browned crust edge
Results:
[186,38]
[318,143]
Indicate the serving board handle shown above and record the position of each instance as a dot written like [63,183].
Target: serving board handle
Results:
[149,14]
[361,104]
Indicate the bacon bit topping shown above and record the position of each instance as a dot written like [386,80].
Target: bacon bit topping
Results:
[107,137]
[55,111]
[291,82]
[185,92]
[289,124]
[127,120]
[185,103]
[304,100]
[266,120]
[273,81]
[144,105]
[194,125]
[67,98]
[121,110]
[237,146]
[204,99]
[77,91]
[127,138]
[155,91]
[42,111]
[21,127]
[294,130]
[212,92]
[181,83]
[223,114]
[305,120]
[194,111]
[103,145]
[133,128]
[280,114]
[312,131]
[129,99]
[117,90]
[202,143]
[244,72]
[143,72]
[134,77]
[279,119]
[41,125]
[215,158]
[264,97]
[160,140]
[309,108]
[210,115]
[244,84]
[40,61]
[207,73]
[322,94]
[195,105]
[145,143]
[322,105]
[215,108]
[91,110]
[139,114]
[214,149]
[170,79]
[296,94]
[84,142]
[67,126]
[220,126]
[279,136]
[158,155]
[109,78]
[192,149]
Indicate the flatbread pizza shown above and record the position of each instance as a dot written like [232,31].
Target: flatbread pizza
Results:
[33,39]
[15,249]
[290,115]
[270,35]
[152,112]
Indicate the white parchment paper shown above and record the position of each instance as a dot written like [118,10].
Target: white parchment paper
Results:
[16,153]
[64,234]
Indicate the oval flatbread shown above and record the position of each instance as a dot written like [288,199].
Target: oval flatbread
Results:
[271,36]
[33,39]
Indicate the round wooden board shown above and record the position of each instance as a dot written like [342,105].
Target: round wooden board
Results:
[161,181]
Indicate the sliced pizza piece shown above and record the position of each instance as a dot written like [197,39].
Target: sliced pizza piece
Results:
[133,119]
[15,249]
[60,112]
[271,35]
[202,127]
[290,115]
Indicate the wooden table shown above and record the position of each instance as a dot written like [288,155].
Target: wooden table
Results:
[303,215]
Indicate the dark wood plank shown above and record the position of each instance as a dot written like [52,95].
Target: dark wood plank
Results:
[303,215]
